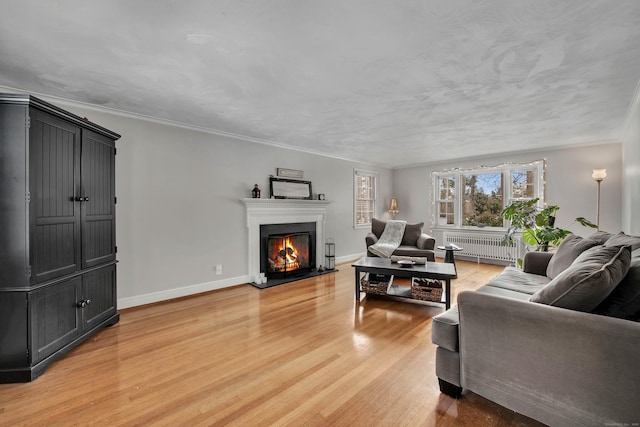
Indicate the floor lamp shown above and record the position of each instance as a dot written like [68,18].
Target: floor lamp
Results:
[599,175]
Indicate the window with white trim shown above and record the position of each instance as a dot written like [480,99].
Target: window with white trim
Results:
[476,197]
[364,197]
[445,200]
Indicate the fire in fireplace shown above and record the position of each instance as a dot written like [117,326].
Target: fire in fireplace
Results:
[288,252]
[287,249]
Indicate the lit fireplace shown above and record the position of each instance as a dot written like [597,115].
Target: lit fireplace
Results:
[287,249]
[288,252]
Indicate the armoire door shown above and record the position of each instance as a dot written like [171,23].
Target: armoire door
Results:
[98,194]
[99,296]
[54,177]
[54,317]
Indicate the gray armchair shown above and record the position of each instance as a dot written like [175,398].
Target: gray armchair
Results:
[415,243]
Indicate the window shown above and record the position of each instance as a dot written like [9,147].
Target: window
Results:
[364,197]
[446,200]
[484,192]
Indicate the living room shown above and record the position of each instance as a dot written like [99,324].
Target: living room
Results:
[180,185]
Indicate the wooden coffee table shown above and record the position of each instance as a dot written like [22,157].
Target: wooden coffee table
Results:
[430,270]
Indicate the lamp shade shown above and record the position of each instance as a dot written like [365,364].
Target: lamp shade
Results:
[393,207]
[599,174]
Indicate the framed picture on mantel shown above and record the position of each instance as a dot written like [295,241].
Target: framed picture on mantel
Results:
[282,188]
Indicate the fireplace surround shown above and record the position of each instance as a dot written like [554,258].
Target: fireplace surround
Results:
[282,211]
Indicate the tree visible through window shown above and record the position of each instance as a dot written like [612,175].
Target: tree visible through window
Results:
[483,200]
[364,199]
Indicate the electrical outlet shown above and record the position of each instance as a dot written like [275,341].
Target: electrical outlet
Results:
[218,269]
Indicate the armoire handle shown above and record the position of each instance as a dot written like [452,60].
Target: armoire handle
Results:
[83,303]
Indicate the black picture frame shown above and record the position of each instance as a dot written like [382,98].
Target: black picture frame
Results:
[282,188]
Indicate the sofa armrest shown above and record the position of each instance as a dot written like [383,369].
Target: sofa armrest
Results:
[425,242]
[556,365]
[371,239]
[536,262]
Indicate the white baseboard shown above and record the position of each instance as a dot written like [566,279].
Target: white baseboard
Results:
[349,258]
[180,292]
[185,291]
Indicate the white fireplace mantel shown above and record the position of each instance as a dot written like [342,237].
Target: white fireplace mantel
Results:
[283,211]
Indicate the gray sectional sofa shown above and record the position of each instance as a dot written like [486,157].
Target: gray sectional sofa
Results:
[558,341]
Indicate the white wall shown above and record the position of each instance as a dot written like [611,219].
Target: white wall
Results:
[631,169]
[569,185]
[179,212]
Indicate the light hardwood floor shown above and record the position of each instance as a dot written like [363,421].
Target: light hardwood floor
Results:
[303,353]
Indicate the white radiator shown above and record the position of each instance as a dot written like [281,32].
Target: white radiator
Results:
[483,246]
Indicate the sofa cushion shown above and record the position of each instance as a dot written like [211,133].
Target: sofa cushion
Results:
[377,226]
[622,239]
[411,234]
[444,330]
[624,300]
[567,252]
[502,292]
[600,237]
[413,251]
[514,279]
[589,280]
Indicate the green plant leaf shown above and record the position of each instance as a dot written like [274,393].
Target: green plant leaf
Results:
[552,234]
[529,237]
[585,222]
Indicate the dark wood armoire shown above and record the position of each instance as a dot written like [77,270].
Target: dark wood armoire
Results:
[57,233]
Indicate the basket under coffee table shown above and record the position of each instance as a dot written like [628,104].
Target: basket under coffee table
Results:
[431,270]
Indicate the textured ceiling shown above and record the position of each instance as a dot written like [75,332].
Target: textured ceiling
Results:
[387,82]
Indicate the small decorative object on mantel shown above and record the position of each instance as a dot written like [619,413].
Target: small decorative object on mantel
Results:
[255,193]
[321,196]
[330,254]
[289,173]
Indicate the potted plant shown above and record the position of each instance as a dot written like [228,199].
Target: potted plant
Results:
[537,225]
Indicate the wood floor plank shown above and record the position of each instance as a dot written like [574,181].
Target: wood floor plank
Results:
[304,353]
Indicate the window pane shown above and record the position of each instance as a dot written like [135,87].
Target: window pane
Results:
[523,184]
[445,216]
[482,203]
[364,211]
[447,188]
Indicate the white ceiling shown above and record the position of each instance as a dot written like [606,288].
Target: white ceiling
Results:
[389,82]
